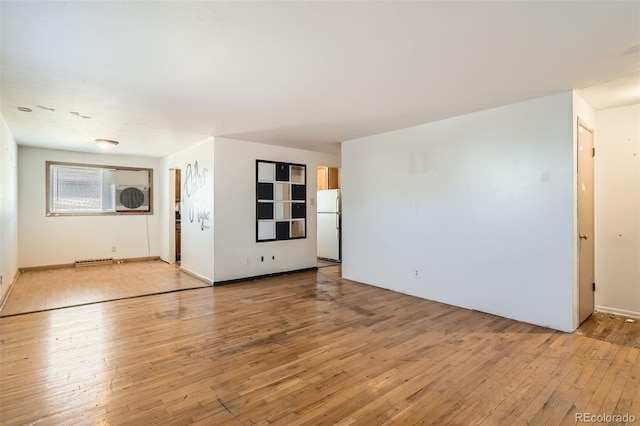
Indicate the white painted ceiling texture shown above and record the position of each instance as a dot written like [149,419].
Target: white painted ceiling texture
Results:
[161,76]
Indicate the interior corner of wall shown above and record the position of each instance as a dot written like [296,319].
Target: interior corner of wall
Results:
[576,97]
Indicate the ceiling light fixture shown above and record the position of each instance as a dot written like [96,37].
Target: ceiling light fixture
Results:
[106,143]
[24,109]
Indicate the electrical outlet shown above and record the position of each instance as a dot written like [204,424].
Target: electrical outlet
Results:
[416,274]
[247,261]
[261,258]
[113,249]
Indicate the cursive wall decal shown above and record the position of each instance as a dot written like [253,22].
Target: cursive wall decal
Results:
[194,188]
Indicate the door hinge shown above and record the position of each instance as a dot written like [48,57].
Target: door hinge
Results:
[594,286]
[593,152]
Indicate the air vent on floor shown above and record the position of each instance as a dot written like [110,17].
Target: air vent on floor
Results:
[92,262]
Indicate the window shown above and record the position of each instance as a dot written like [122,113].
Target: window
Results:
[82,189]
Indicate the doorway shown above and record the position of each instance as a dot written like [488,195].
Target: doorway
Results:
[329,220]
[178,212]
[175,213]
[586,272]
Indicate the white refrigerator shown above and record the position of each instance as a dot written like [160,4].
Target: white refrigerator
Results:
[329,223]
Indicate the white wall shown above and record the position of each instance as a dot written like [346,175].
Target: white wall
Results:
[480,205]
[617,210]
[235,217]
[64,239]
[8,208]
[197,203]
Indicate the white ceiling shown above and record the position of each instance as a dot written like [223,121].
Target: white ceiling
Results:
[161,76]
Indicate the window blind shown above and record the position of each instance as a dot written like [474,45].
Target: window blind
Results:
[82,189]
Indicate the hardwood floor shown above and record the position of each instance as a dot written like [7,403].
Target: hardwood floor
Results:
[56,288]
[303,349]
[322,263]
[613,329]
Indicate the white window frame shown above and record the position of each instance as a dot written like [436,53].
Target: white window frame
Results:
[49,183]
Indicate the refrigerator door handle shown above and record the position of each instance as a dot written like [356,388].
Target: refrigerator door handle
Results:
[337,212]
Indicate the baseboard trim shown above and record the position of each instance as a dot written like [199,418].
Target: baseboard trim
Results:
[72,265]
[46,267]
[620,312]
[260,277]
[198,276]
[326,259]
[5,296]
[136,259]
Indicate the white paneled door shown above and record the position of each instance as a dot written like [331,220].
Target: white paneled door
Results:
[585,222]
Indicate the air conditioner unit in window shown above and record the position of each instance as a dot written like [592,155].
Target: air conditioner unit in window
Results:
[132,199]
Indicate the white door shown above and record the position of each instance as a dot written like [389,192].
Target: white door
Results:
[586,277]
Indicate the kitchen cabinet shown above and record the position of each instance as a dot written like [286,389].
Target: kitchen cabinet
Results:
[178,186]
[328,178]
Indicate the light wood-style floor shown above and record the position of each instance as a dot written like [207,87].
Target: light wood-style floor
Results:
[55,288]
[324,263]
[613,329]
[303,349]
